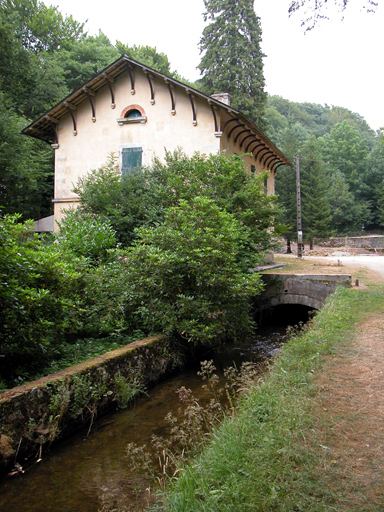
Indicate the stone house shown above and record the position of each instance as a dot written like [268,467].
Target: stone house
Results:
[136,113]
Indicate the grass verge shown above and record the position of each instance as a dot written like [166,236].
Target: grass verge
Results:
[267,457]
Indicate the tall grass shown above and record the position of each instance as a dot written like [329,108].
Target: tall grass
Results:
[266,458]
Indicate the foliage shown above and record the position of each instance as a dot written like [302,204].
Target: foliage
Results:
[351,156]
[128,388]
[85,58]
[26,178]
[85,235]
[313,118]
[184,277]
[316,213]
[345,150]
[126,202]
[316,10]
[87,393]
[347,214]
[39,297]
[107,295]
[141,198]
[232,60]
[147,55]
[36,33]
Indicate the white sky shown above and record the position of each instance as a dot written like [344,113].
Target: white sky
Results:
[338,63]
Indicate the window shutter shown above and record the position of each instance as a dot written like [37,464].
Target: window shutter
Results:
[131,159]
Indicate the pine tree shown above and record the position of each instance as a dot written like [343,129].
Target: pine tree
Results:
[316,212]
[232,59]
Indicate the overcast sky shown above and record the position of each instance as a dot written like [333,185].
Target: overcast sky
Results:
[338,63]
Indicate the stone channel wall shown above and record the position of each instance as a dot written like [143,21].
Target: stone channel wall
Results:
[358,242]
[42,411]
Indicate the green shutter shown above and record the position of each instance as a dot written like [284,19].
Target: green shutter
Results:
[131,159]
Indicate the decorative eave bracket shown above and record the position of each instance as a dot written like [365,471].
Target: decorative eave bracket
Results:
[149,78]
[191,97]
[109,81]
[89,93]
[70,108]
[173,105]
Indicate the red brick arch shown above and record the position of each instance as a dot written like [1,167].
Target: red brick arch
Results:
[132,107]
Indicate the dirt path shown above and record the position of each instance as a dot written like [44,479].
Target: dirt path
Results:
[351,403]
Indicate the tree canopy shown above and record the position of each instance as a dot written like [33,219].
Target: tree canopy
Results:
[43,57]
[232,60]
[315,10]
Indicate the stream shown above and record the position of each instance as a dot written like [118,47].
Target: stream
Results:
[89,474]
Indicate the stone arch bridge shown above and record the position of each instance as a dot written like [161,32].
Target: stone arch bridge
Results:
[309,290]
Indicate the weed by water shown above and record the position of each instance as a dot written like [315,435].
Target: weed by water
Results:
[194,423]
[128,388]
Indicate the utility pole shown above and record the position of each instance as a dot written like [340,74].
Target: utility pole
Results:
[299,224]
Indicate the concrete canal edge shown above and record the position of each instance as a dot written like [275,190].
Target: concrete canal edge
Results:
[37,413]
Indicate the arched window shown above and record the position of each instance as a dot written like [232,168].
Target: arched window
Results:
[131,114]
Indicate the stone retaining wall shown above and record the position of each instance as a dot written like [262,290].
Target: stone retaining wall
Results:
[47,409]
[361,242]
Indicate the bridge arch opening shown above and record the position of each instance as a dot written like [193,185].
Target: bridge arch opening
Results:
[284,315]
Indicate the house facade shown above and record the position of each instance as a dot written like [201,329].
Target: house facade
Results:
[137,113]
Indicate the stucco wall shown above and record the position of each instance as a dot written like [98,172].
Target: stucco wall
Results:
[161,128]
[94,141]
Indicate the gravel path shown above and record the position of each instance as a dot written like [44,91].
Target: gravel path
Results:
[373,262]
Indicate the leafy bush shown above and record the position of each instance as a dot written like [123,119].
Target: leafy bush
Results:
[86,235]
[184,278]
[126,202]
[39,296]
[140,199]
[108,296]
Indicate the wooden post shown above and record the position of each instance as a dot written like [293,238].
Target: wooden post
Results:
[299,223]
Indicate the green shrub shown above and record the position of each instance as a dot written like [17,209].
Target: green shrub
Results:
[126,202]
[39,297]
[184,278]
[141,199]
[86,235]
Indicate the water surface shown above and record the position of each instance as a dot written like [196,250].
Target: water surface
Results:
[82,473]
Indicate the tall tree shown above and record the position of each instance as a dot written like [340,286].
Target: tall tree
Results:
[374,181]
[30,37]
[316,212]
[85,58]
[232,59]
[347,151]
[347,213]
[26,177]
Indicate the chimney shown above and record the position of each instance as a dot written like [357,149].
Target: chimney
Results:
[223,97]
